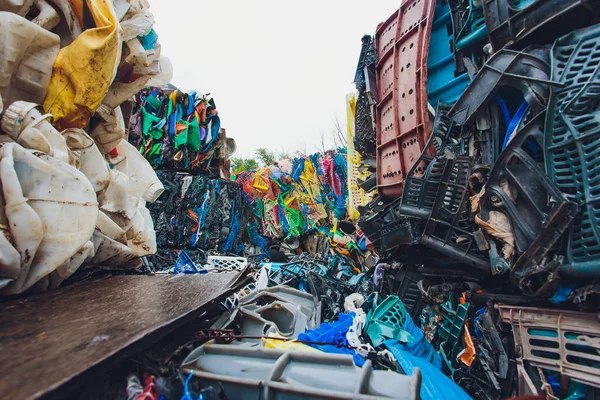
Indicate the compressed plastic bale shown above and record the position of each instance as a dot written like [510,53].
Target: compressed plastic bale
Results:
[120,92]
[111,130]
[19,7]
[27,54]
[143,180]
[24,224]
[66,206]
[141,237]
[85,69]
[86,157]
[24,122]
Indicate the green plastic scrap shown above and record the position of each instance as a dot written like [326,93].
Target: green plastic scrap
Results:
[387,321]
[451,331]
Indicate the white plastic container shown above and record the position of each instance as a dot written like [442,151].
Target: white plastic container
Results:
[27,55]
[62,199]
[86,157]
[143,180]
[24,122]
[111,131]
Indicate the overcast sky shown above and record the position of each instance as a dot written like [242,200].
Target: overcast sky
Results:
[279,70]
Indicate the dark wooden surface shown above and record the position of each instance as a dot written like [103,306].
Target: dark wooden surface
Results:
[48,340]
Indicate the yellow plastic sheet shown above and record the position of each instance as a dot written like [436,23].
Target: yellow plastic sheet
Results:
[84,70]
[288,345]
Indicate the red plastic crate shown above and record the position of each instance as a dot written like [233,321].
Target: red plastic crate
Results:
[402,44]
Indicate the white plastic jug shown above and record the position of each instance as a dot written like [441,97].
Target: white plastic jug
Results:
[47,18]
[110,253]
[86,157]
[27,55]
[117,200]
[141,237]
[143,180]
[111,131]
[64,201]
[24,224]
[24,122]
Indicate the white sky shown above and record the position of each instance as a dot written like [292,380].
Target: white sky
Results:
[279,70]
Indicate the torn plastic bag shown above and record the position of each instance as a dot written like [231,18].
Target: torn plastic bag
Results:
[19,7]
[141,237]
[143,180]
[27,54]
[86,157]
[64,204]
[137,24]
[111,130]
[25,123]
[84,70]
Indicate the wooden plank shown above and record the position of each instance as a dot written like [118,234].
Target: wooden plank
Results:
[47,340]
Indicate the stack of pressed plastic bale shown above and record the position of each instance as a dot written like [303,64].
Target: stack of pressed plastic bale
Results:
[74,192]
[181,137]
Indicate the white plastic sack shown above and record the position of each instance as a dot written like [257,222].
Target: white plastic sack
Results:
[27,55]
[49,200]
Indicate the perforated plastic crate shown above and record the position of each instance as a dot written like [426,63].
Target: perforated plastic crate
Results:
[564,341]
[226,263]
[450,227]
[572,142]
[402,44]
[423,180]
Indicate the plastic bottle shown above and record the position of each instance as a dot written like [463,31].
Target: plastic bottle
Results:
[143,180]
[25,123]
[48,18]
[27,55]
[62,199]
[141,237]
[10,260]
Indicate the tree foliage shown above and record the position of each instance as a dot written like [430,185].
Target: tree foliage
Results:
[239,164]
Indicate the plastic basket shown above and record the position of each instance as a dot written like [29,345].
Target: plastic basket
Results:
[226,263]
[564,341]
[572,142]
[450,228]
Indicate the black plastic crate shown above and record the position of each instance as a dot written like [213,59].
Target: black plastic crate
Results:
[572,142]
[423,180]
[450,227]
